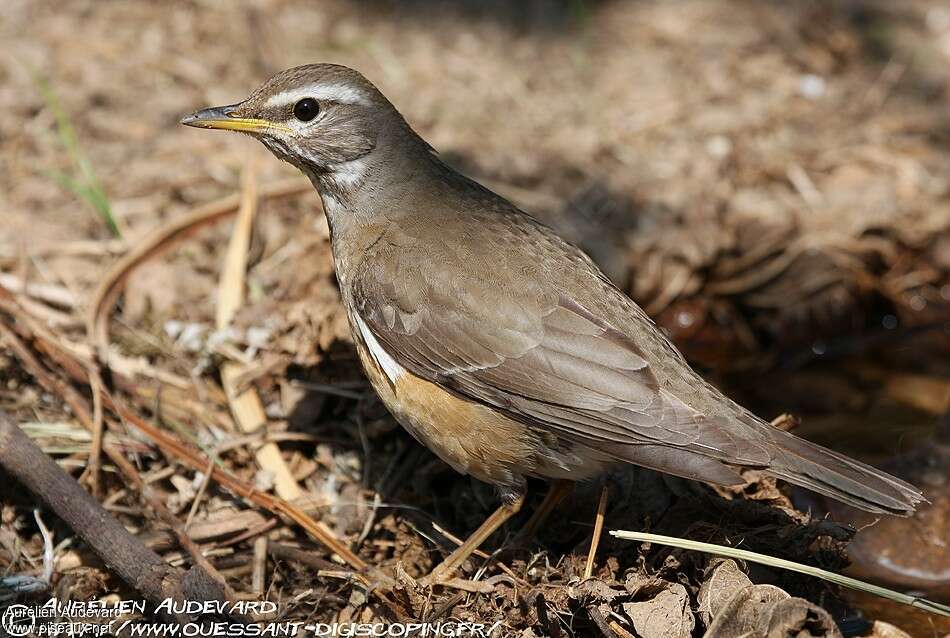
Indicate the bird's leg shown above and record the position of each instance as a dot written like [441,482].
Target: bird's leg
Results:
[557,491]
[453,561]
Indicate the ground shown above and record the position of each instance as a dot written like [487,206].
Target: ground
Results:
[768,179]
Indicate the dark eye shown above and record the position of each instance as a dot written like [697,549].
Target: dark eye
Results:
[306,109]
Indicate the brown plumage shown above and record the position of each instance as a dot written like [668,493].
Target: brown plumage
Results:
[496,342]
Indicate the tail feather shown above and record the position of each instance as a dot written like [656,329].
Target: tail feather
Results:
[811,466]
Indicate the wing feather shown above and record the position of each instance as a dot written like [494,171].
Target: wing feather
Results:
[544,359]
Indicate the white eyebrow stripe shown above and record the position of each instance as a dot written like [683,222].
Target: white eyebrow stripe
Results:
[334,92]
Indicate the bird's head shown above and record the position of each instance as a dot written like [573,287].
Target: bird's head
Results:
[323,118]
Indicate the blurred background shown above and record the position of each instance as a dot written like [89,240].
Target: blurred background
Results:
[770,180]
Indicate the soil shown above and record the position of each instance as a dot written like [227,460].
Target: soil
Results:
[769,180]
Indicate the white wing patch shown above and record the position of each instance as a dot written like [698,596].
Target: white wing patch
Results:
[392,369]
[331,92]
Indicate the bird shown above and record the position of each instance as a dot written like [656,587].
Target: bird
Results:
[495,342]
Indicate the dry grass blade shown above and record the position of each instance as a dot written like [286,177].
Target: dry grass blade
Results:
[259,573]
[141,568]
[195,460]
[78,405]
[158,242]
[771,561]
[598,530]
[184,453]
[47,293]
[246,404]
[231,283]
[95,451]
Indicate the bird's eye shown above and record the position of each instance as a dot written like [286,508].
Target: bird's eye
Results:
[306,109]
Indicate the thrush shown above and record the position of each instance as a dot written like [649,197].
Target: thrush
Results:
[495,342]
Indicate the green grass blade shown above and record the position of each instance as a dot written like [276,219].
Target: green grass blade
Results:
[771,561]
[86,184]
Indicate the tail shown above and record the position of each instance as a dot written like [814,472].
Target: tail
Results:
[835,475]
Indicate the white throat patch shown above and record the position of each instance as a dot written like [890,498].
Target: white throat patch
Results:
[349,175]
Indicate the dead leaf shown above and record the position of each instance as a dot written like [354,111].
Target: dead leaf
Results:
[666,615]
[797,618]
[724,580]
[765,611]
[593,590]
[740,616]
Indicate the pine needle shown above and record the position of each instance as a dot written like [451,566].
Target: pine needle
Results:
[771,561]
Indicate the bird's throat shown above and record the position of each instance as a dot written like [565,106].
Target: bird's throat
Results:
[338,186]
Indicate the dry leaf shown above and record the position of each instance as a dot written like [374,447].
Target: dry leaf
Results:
[666,615]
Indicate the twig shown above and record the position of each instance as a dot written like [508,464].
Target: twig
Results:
[297,555]
[126,556]
[81,411]
[478,552]
[601,621]
[184,540]
[337,389]
[370,519]
[598,528]
[131,367]
[471,586]
[206,479]
[620,631]
[257,530]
